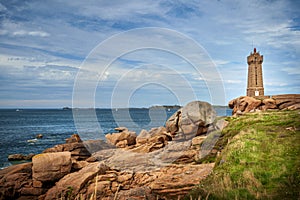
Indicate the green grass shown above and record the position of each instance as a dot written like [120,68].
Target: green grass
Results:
[260,159]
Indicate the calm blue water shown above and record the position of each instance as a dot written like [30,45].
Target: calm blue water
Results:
[16,127]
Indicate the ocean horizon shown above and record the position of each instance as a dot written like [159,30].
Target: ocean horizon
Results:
[19,127]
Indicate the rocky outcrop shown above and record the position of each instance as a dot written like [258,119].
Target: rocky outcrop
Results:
[176,181]
[73,145]
[106,183]
[122,139]
[156,138]
[288,101]
[20,157]
[15,180]
[74,182]
[245,104]
[157,164]
[50,167]
[191,120]
[49,176]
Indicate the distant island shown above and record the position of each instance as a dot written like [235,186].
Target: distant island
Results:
[151,107]
[166,107]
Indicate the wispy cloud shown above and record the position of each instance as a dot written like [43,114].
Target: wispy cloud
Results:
[43,44]
[30,33]
[292,70]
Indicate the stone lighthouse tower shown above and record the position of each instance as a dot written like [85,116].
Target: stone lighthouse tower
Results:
[255,85]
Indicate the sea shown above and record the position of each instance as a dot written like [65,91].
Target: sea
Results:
[18,128]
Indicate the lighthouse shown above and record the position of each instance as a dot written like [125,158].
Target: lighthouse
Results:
[255,85]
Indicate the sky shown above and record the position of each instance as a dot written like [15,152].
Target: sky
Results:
[141,53]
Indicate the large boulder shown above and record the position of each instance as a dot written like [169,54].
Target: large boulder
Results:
[191,120]
[50,167]
[13,179]
[172,124]
[244,104]
[121,139]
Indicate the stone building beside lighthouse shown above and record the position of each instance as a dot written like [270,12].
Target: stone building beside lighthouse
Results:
[255,86]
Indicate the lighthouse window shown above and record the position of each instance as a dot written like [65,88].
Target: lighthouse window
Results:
[256,75]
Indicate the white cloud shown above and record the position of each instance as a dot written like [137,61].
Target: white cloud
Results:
[221,62]
[292,70]
[234,81]
[52,34]
[30,33]
[276,84]
[117,10]
[18,29]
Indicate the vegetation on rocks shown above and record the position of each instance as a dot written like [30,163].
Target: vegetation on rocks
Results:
[259,159]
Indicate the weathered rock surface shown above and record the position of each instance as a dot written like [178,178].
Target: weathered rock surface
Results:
[172,124]
[158,164]
[138,193]
[156,138]
[14,179]
[287,101]
[20,157]
[177,180]
[165,183]
[93,146]
[77,165]
[161,180]
[74,182]
[121,139]
[245,104]
[73,139]
[191,120]
[150,136]
[73,145]
[50,167]
[268,104]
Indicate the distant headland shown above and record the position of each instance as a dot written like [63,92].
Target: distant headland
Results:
[165,107]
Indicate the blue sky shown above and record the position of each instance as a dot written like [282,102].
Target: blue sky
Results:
[45,44]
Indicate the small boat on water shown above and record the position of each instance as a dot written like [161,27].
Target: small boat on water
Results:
[32,140]
[17,110]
